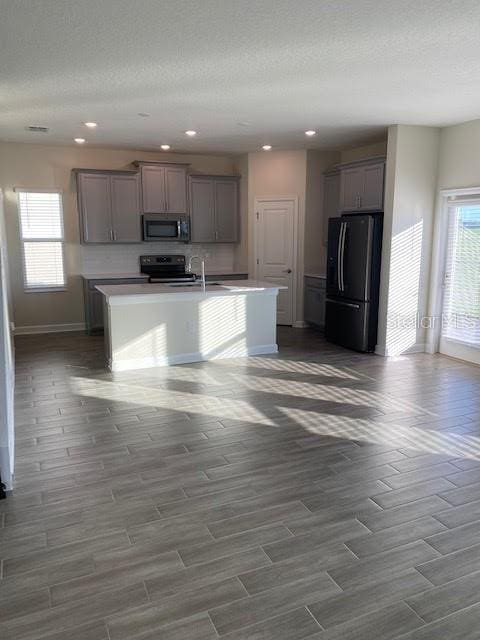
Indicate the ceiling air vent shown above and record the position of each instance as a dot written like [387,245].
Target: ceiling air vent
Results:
[37,129]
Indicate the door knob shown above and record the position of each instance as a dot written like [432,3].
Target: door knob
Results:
[287,271]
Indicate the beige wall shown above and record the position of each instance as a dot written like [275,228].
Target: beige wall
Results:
[459,162]
[410,186]
[365,151]
[50,167]
[279,173]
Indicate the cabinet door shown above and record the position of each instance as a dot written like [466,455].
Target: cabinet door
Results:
[351,188]
[226,210]
[331,201]
[315,305]
[125,208]
[153,190]
[372,196]
[94,203]
[176,190]
[202,208]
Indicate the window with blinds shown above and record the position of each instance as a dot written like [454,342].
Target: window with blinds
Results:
[461,302]
[41,233]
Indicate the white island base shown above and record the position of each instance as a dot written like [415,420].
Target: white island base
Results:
[153,325]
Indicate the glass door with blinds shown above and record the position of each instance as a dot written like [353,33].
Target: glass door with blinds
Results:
[460,327]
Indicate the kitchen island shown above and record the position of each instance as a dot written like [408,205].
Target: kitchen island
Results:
[150,325]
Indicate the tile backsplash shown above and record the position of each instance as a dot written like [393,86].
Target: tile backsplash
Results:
[124,258]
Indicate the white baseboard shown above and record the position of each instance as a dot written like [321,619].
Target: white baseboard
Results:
[300,324]
[186,358]
[48,328]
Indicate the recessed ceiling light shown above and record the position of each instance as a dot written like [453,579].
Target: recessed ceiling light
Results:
[79,140]
[165,147]
[310,132]
[90,125]
[267,147]
[143,114]
[190,132]
[244,124]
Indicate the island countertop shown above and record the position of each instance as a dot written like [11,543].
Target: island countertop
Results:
[147,292]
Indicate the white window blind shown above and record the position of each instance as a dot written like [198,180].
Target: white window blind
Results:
[461,302]
[41,233]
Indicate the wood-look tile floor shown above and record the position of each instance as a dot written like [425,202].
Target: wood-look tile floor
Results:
[317,494]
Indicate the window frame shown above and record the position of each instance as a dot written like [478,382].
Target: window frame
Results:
[44,289]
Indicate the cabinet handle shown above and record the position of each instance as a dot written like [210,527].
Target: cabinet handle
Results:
[216,235]
[114,235]
[359,202]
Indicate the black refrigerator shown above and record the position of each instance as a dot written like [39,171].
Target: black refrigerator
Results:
[353,280]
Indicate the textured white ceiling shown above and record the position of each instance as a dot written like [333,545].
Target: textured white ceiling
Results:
[347,68]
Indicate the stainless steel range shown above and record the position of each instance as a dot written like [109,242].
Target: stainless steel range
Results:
[165,268]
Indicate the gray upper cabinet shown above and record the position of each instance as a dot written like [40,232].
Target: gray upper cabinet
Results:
[226,210]
[361,186]
[373,184]
[351,189]
[202,210]
[176,190]
[164,188]
[109,206]
[214,208]
[331,199]
[95,207]
[126,208]
[153,189]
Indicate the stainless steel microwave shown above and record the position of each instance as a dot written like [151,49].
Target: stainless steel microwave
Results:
[162,227]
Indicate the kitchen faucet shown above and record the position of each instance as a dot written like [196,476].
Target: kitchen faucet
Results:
[202,262]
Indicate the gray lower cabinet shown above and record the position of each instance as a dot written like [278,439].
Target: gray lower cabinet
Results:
[362,186]
[214,208]
[94,300]
[164,187]
[109,206]
[314,308]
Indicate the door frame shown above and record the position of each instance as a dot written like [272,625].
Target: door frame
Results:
[439,254]
[256,249]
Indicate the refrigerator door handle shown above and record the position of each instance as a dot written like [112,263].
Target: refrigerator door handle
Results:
[352,305]
[343,231]
[339,253]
